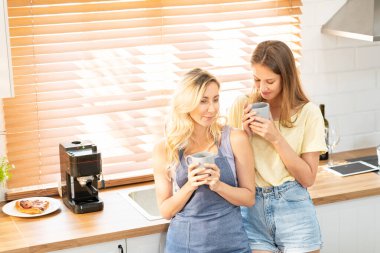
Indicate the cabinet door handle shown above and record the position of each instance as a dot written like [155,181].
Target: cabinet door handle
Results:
[121,250]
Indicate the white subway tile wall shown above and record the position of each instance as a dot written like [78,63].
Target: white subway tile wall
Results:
[368,57]
[329,8]
[343,74]
[377,117]
[335,60]
[353,81]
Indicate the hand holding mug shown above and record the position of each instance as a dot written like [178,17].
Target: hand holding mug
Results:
[213,179]
[200,163]
[196,175]
[247,119]
[261,109]
[255,112]
[262,123]
[201,158]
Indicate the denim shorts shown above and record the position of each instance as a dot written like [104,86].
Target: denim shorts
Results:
[283,219]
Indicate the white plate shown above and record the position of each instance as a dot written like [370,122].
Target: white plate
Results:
[10,208]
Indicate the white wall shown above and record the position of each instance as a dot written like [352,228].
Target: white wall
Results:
[342,73]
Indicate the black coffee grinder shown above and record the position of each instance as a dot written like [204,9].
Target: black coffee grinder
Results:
[81,168]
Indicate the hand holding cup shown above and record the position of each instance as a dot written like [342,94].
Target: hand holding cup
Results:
[261,109]
[201,158]
[197,162]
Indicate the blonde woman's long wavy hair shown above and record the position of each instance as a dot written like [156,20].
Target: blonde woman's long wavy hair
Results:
[277,56]
[180,125]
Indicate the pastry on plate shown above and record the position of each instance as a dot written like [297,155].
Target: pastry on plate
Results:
[35,206]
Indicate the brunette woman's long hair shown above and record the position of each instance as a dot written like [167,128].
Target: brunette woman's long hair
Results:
[277,56]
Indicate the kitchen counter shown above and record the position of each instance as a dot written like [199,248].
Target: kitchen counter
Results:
[64,229]
[119,220]
[330,188]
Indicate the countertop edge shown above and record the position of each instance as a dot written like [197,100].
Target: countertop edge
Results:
[346,196]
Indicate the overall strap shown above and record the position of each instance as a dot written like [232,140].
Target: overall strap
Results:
[180,153]
[225,145]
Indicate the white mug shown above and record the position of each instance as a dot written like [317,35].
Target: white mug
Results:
[261,109]
[201,158]
[378,155]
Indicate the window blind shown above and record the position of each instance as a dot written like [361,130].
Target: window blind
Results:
[105,70]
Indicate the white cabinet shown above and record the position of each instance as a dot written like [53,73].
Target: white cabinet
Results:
[118,246]
[350,226]
[153,243]
[6,76]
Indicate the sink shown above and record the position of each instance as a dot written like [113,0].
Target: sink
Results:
[143,199]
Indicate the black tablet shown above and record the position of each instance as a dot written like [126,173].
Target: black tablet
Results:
[352,168]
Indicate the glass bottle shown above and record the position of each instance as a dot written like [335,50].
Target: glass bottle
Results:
[324,156]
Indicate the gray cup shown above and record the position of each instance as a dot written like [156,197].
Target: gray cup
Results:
[201,158]
[261,109]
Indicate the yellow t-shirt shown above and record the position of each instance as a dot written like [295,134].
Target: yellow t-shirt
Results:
[307,135]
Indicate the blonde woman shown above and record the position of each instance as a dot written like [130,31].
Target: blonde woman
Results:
[287,149]
[203,202]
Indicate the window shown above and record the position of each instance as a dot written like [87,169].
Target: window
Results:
[105,70]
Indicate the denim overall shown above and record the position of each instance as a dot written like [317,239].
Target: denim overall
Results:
[208,222]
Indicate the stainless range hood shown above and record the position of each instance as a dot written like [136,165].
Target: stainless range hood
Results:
[357,19]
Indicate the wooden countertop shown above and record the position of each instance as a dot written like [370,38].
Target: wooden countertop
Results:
[64,229]
[329,188]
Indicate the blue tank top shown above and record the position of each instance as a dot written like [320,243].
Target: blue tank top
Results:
[208,222]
